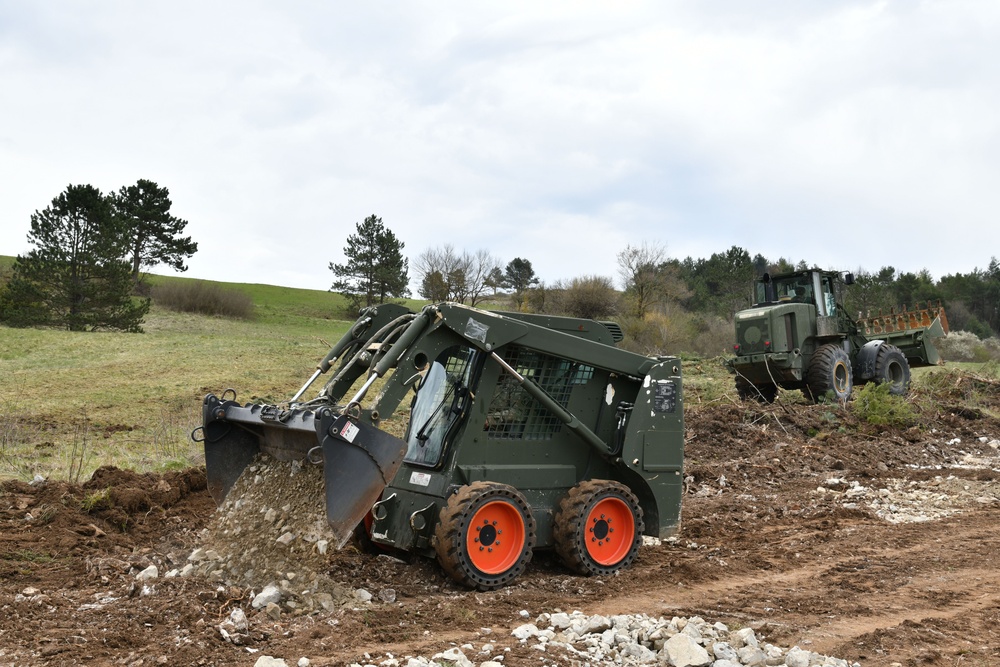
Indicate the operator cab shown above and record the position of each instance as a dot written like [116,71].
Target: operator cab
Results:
[813,287]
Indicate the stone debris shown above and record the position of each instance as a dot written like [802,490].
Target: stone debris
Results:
[902,501]
[630,640]
[271,535]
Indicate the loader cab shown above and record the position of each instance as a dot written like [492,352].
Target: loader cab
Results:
[818,288]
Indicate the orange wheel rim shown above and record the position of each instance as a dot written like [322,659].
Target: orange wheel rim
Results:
[496,537]
[610,531]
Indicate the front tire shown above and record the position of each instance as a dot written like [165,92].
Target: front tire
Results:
[892,367]
[485,535]
[598,529]
[830,372]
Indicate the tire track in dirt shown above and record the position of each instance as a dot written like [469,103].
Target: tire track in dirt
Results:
[930,572]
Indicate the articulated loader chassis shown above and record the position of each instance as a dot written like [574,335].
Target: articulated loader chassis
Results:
[799,336]
[524,432]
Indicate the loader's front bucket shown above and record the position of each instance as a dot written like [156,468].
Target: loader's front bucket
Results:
[359,460]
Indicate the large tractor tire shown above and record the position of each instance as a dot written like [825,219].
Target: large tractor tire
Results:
[763,393]
[485,535]
[830,372]
[598,528]
[892,367]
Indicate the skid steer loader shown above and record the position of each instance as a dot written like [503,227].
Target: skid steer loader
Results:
[524,432]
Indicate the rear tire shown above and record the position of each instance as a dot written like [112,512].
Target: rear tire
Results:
[830,371]
[762,393]
[598,529]
[892,367]
[485,535]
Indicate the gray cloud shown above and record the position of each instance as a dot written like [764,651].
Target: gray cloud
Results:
[846,133]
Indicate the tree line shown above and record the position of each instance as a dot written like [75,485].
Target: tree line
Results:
[87,256]
[89,250]
[705,293]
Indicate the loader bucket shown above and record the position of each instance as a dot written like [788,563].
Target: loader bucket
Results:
[358,460]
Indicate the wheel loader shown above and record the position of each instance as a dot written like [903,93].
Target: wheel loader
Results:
[522,432]
[799,336]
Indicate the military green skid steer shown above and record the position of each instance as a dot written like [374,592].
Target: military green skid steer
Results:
[523,432]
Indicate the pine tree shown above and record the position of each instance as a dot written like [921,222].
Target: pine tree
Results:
[76,276]
[520,277]
[375,269]
[154,235]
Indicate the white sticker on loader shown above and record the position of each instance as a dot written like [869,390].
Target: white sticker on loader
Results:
[420,478]
[350,431]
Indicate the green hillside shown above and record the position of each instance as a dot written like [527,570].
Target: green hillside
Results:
[71,401]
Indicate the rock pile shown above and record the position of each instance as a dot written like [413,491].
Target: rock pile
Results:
[271,535]
[633,639]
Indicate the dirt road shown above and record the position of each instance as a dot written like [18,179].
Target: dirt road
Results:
[871,544]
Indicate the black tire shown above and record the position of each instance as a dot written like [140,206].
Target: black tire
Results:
[485,535]
[589,516]
[892,367]
[830,372]
[762,393]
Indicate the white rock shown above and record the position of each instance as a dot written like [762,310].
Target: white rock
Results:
[361,595]
[286,538]
[682,651]
[150,572]
[453,656]
[270,595]
[560,621]
[268,661]
[724,651]
[751,655]
[639,654]
[797,657]
[525,631]
[303,662]
[743,637]
[593,625]
[239,620]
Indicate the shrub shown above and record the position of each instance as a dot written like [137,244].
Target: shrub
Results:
[593,297]
[197,296]
[673,330]
[874,404]
[967,346]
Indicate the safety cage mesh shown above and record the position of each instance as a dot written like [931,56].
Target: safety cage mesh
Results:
[513,413]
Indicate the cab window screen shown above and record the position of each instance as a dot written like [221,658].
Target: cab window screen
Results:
[513,414]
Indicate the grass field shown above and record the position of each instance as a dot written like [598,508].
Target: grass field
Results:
[70,402]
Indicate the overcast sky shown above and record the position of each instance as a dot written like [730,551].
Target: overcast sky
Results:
[849,134]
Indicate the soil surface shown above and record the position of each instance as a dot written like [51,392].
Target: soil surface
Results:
[872,544]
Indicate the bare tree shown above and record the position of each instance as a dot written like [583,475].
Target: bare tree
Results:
[480,268]
[455,276]
[639,269]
